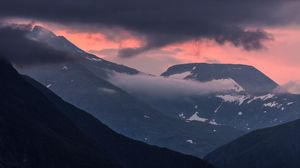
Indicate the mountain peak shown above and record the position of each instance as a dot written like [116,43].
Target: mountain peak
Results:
[42,32]
[250,78]
[58,42]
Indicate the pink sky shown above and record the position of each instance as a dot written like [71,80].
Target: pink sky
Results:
[280,60]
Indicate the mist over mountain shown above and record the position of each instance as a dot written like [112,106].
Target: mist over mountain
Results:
[219,97]
[86,84]
[251,79]
[39,129]
[169,88]
[149,84]
[200,106]
[17,47]
[191,108]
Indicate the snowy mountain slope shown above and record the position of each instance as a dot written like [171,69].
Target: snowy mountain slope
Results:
[229,105]
[239,111]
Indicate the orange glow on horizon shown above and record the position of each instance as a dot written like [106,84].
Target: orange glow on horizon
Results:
[96,41]
[280,61]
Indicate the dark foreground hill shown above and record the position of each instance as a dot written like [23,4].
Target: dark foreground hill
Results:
[275,147]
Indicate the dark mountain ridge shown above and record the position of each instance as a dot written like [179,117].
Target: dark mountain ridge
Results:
[275,147]
[35,134]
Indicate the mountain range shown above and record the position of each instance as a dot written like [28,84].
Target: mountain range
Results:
[85,84]
[232,115]
[39,129]
[249,78]
[242,99]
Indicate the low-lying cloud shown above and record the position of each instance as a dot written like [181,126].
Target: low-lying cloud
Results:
[161,87]
[19,49]
[290,87]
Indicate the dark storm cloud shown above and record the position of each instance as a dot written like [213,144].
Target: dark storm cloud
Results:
[163,22]
[17,48]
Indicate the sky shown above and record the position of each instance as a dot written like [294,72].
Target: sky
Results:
[280,58]
[153,35]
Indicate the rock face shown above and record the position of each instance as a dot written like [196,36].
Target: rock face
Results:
[276,147]
[38,129]
[251,79]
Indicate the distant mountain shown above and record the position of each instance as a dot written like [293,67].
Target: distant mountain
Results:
[275,147]
[38,129]
[240,111]
[84,83]
[249,78]
[251,104]
[95,64]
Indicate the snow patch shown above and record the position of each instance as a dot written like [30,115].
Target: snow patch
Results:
[94,59]
[263,97]
[233,85]
[48,86]
[271,104]
[190,141]
[213,122]
[181,115]
[107,90]
[181,75]
[217,109]
[239,99]
[64,68]
[146,116]
[195,117]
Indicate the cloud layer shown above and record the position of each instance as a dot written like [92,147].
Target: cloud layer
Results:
[17,48]
[290,87]
[160,23]
[161,87]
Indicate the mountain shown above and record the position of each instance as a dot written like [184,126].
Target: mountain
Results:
[248,77]
[38,129]
[85,84]
[275,147]
[129,153]
[94,64]
[239,111]
[34,133]
[248,104]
